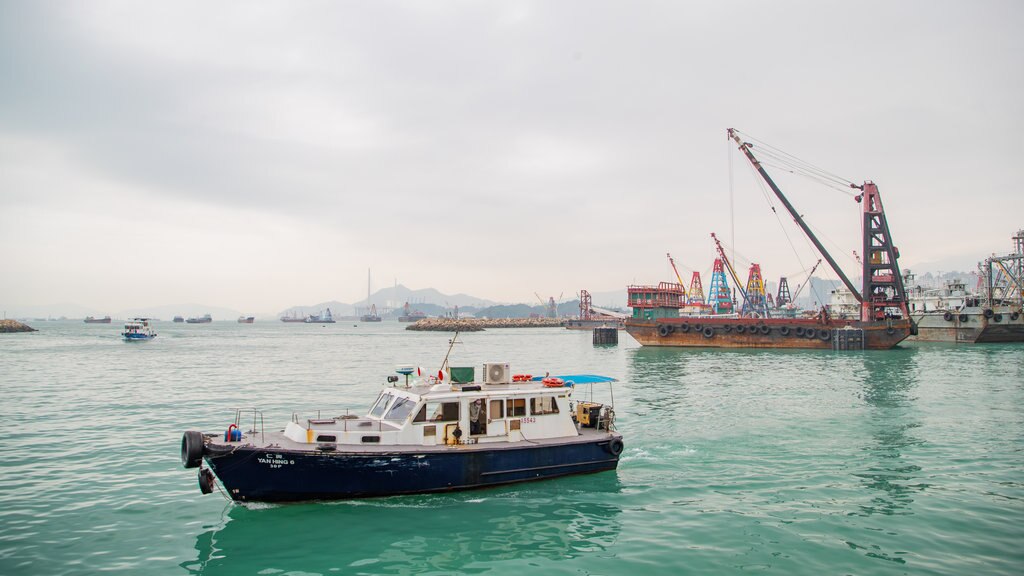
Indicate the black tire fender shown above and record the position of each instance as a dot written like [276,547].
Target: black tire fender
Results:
[784,330]
[615,446]
[810,333]
[890,330]
[800,331]
[192,449]
[708,332]
[663,330]
[825,335]
[205,480]
[740,328]
[997,318]
[948,316]
[963,318]
[684,327]
[988,312]
[764,329]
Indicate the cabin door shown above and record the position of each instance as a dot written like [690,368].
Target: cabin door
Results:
[496,425]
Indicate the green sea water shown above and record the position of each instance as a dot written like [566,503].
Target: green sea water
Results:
[909,461]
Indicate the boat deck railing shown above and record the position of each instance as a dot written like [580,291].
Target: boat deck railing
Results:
[257,417]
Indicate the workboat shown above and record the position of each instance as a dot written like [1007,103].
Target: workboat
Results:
[324,317]
[882,319]
[992,313]
[138,329]
[436,434]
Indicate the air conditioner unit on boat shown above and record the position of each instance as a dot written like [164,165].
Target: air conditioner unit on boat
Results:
[497,373]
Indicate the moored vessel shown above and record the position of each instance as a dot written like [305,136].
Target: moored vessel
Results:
[204,319]
[410,315]
[324,317]
[178,319]
[437,434]
[94,320]
[994,313]
[883,320]
[246,319]
[138,329]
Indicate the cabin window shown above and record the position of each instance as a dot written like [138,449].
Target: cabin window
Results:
[326,438]
[443,411]
[371,438]
[421,416]
[497,409]
[543,405]
[517,407]
[400,409]
[382,403]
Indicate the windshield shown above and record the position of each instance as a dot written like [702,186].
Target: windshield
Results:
[401,409]
[381,404]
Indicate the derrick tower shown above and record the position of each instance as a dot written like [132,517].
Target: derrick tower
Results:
[696,295]
[719,295]
[783,297]
[585,305]
[755,304]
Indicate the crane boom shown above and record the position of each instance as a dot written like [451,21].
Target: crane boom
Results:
[807,281]
[745,148]
[678,277]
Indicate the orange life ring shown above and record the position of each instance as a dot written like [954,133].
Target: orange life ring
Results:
[553,382]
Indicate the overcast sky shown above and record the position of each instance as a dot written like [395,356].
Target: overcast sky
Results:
[258,155]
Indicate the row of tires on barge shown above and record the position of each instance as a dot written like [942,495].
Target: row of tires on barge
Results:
[988,313]
[810,333]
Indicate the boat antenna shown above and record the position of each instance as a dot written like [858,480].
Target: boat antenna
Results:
[451,344]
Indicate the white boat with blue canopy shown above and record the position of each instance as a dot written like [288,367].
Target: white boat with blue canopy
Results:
[447,431]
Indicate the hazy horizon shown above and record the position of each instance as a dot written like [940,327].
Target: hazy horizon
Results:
[256,156]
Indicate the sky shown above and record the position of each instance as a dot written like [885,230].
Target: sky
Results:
[259,155]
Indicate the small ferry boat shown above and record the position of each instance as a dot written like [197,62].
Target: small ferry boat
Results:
[138,329]
[437,434]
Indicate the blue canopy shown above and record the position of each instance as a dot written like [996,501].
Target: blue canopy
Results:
[571,379]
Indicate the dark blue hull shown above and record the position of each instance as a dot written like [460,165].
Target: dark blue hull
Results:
[266,475]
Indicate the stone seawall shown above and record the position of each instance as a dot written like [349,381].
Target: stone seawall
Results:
[477,324]
[9,326]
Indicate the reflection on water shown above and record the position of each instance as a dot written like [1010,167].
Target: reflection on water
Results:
[889,381]
[413,534]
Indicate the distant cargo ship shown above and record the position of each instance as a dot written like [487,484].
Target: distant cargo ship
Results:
[246,319]
[204,319]
[179,319]
[324,317]
[995,313]
[92,320]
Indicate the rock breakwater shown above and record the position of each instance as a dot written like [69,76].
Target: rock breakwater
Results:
[10,326]
[477,324]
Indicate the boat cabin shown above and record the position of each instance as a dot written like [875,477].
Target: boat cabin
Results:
[436,414]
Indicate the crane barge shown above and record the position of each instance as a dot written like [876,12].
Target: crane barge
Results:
[884,320]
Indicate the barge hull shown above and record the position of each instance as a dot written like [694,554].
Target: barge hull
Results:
[764,333]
